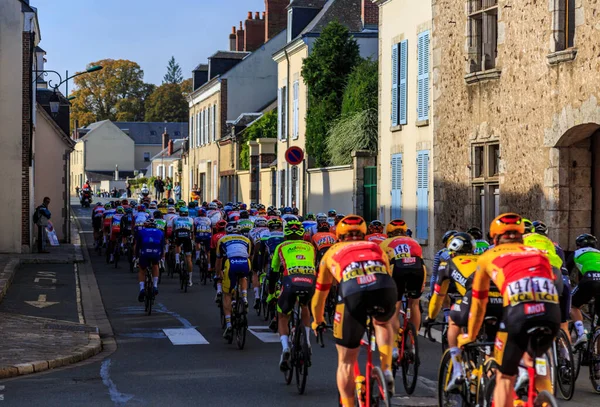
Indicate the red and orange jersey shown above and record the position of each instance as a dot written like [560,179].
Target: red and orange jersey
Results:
[403,248]
[322,240]
[376,237]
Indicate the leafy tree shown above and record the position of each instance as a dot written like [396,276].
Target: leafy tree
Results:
[361,92]
[114,91]
[325,71]
[265,127]
[354,131]
[134,109]
[167,104]
[186,87]
[174,74]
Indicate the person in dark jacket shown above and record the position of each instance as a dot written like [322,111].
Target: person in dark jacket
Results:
[43,215]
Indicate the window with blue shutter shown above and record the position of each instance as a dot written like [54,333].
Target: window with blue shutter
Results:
[396,208]
[403,95]
[279,115]
[296,110]
[395,80]
[422,194]
[423,77]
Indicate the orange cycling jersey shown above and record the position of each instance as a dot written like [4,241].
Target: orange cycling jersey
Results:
[346,261]
[322,240]
[376,237]
[523,274]
[404,249]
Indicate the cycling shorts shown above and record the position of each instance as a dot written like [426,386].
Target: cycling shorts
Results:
[588,288]
[97,223]
[115,231]
[186,242]
[201,238]
[126,232]
[377,299]
[512,339]
[149,260]
[410,280]
[235,268]
[459,313]
[295,286]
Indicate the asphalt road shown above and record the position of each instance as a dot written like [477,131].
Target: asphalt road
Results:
[149,369]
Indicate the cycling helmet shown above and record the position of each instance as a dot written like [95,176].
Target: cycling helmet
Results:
[271,212]
[540,227]
[170,201]
[236,207]
[228,208]
[275,224]
[171,209]
[338,218]
[221,225]
[152,206]
[260,207]
[107,206]
[397,227]
[462,243]
[201,212]
[323,226]
[132,203]
[293,227]
[184,211]
[376,227]
[98,203]
[331,213]
[586,240]
[448,235]
[193,205]
[212,206]
[507,222]
[141,208]
[277,212]
[295,211]
[260,223]
[310,216]
[128,210]
[150,223]
[252,212]
[351,227]
[157,215]
[262,212]
[321,217]
[270,208]
[180,203]
[244,214]
[243,207]
[286,210]
[529,228]
[476,233]
[232,227]
[205,204]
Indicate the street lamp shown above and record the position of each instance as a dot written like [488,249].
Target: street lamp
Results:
[66,80]
[54,103]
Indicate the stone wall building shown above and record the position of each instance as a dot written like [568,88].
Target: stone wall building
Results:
[516,118]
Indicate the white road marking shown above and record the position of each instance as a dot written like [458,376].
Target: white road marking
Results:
[41,302]
[185,336]
[437,335]
[115,395]
[264,334]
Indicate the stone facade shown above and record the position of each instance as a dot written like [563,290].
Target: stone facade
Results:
[538,103]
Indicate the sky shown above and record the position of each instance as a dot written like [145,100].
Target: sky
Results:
[77,32]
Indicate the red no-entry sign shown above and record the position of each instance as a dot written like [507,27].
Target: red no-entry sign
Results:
[294,155]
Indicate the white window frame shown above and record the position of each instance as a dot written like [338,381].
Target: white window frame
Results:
[296,110]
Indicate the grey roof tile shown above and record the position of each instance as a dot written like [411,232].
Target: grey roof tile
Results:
[151,132]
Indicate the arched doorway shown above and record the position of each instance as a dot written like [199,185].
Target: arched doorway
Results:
[573,184]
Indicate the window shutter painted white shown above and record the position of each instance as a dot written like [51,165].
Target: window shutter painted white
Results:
[279,114]
[296,130]
[423,77]
[209,124]
[403,81]
[422,194]
[395,80]
[206,126]
[286,105]
[198,128]
[214,125]
[396,190]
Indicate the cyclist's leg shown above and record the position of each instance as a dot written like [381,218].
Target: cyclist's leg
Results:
[414,287]
[345,374]
[244,280]
[581,295]
[155,273]
[187,248]
[508,353]
[229,281]
[285,305]
[142,278]
[565,306]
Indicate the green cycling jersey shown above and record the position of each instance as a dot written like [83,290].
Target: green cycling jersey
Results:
[481,246]
[544,244]
[587,259]
[295,257]
[160,224]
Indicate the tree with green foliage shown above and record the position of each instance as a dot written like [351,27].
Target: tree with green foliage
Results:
[265,127]
[325,72]
[174,74]
[167,104]
[362,90]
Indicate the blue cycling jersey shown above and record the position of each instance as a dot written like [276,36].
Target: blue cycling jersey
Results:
[150,242]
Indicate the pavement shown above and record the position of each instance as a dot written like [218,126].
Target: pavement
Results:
[176,356]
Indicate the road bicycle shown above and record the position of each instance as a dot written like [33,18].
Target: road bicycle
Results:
[371,388]
[589,354]
[203,266]
[330,304]
[128,250]
[564,365]
[300,353]
[239,317]
[408,351]
[181,268]
[148,291]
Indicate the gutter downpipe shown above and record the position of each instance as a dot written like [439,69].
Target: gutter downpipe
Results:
[287,127]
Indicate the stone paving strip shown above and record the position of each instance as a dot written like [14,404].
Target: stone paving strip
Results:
[31,344]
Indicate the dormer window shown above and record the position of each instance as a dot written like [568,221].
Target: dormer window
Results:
[289,25]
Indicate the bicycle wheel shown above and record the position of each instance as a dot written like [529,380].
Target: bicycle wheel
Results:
[223,322]
[108,247]
[180,272]
[186,276]
[378,389]
[289,374]
[241,326]
[410,360]
[447,399]
[565,370]
[117,254]
[545,399]
[486,384]
[302,358]
[130,259]
[594,356]
[149,294]
[203,269]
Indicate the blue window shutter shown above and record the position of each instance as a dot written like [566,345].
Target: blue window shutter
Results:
[403,81]
[422,194]
[279,114]
[423,77]
[395,80]
[396,208]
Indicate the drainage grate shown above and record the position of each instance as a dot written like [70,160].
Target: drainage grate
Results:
[72,328]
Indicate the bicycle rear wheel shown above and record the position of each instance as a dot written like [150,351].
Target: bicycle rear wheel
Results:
[222,315]
[149,293]
[594,356]
[565,369]
[577,352]
[289,374]
[447,399]
[301,359]
[545,399]
[241,326]
[410,360]
[378,389]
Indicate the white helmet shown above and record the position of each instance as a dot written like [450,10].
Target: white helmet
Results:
[212,206]
[145,186]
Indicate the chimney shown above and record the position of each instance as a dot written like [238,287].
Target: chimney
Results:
[170,150]
[275,17]
[254,33]
[240,39]
[232,40]
[369,14]
[257,15]
[165,139]
[249,16]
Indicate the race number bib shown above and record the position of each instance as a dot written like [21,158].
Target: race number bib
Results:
[402,250]
[532,289]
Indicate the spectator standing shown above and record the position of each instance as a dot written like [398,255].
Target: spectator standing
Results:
[128,190]
[177,191]
[169,187]
[77,190]
[42,216]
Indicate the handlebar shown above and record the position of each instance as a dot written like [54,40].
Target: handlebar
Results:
[428,329]
[320,329]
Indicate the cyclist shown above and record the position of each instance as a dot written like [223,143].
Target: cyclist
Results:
[257,233]
[235,248]
[458,271]
[406,258]
[337,220]
[97,214]
[193,209]
[441,255]
[219,232]
[331,214]
[481,245]
[213,213]
[127,222]
[529,287]
[363,273]
[169,217]
[150,251]
[245,223]
[183,227]
[323,239]
[109,212]
[202,234]
[376,232]
[115,231]
[586,259]
[294,261]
